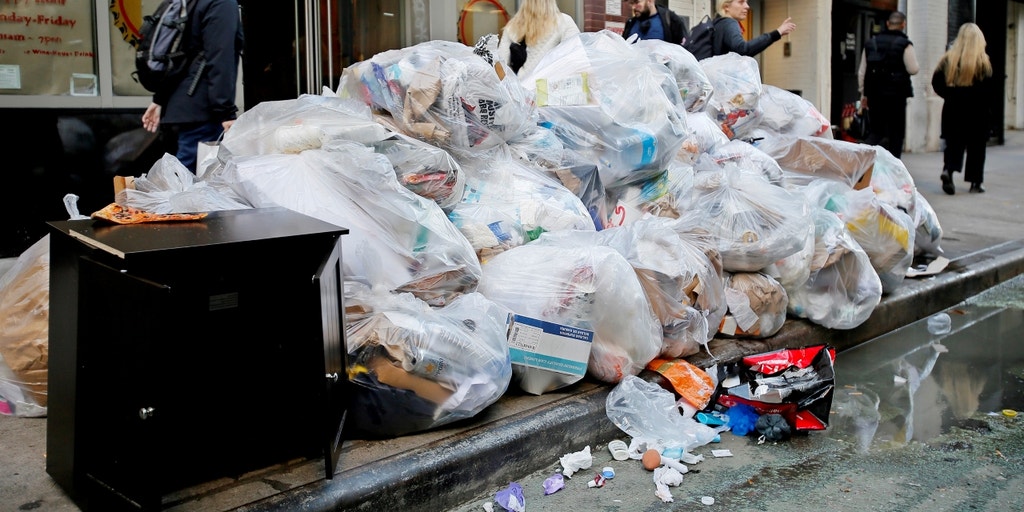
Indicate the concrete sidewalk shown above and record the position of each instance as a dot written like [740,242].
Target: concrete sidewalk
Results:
[982,236]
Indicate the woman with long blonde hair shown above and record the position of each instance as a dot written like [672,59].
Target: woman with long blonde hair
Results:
[537,27]
[963,78]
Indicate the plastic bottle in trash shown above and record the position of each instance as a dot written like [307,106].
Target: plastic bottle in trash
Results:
[628,149]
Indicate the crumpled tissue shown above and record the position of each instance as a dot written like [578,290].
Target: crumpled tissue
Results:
[663,478]
[573,462]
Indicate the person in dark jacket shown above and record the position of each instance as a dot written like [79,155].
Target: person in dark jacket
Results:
[729,34]
[963,78]
[201,106]
[886,64]
[652,21]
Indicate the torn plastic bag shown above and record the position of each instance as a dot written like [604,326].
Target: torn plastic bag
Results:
[797,384]
[644,410]
[414,367]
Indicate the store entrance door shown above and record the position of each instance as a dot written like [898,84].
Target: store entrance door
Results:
[303,46]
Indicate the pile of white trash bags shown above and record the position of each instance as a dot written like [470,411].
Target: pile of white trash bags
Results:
[623,202]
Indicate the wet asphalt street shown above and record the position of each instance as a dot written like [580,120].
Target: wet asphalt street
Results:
[946,393]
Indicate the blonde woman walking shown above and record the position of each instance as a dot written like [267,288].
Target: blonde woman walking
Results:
[535,30]
[963,79]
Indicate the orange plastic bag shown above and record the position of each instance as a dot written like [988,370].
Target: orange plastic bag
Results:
[690,382]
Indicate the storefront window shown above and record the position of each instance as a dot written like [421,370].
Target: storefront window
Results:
[47,47]
[125,21]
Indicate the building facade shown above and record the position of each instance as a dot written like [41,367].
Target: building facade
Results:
[71,106]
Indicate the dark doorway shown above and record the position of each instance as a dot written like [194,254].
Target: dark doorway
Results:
[991,17]
[853,24]
[295,48]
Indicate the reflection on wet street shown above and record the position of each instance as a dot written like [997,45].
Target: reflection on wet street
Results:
[918,382]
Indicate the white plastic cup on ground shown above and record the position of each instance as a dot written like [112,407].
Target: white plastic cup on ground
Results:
[618,449]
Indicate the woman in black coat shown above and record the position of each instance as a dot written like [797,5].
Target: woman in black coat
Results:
[729,35]
[963,78]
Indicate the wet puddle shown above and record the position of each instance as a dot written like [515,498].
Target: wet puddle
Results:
[918,382]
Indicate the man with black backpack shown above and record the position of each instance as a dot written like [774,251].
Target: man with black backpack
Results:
[198,104]
[886,64]
[652,21]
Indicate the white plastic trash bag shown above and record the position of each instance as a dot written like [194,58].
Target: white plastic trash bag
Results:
[396,239]
[169,187]
[842,288]
[694,86]
[414,367]
[443,93]
[619,112]
[735,104]
[589,287]
[756,223]
[786,112]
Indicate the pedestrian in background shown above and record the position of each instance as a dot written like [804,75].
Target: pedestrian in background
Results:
[201,105]
[883,78]
[729,34]
[536,29]
[963,78]
[652,21]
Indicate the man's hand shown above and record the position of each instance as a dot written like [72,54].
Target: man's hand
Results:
[227,124]
[151,119]
[787,26]
[863,102]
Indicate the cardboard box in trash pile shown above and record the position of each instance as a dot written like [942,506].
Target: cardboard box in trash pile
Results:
[545,355]
[835,159]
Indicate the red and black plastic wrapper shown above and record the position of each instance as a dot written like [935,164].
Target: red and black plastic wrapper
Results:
[801,380]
